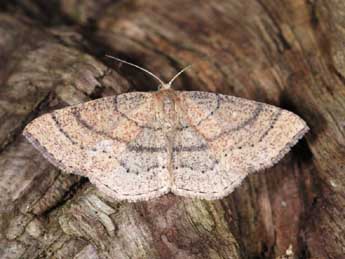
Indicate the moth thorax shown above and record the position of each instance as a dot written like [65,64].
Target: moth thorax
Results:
[169,112]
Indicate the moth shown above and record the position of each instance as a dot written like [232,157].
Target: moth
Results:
[141,145]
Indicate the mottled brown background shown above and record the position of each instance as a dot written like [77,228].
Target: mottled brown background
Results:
[289,53]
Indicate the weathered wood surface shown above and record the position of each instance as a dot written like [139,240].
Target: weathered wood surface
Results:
[287,53]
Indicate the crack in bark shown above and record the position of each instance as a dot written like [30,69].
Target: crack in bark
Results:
[314,19]
[72,191]
[334,70]
[12,137]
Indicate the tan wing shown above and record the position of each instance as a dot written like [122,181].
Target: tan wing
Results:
[114,141]
[223,138]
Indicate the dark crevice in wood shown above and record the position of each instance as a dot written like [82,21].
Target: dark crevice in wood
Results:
[314,19]
[317,123]
[18,131]
[337,74]
[67,196]
[37,182]
[47,13]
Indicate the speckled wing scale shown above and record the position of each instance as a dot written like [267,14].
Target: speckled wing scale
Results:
[138,145]
[225,138]
[114,141]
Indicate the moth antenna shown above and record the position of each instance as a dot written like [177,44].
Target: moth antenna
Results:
[178,74]
[134,65]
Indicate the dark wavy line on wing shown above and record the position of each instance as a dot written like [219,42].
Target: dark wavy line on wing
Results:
[144,149]
[128,170]
[181,148]
[77,116]
[247,122]
[211,113]
[272,123]
[61,129]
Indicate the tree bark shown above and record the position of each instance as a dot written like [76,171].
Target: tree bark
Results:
[287,53]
